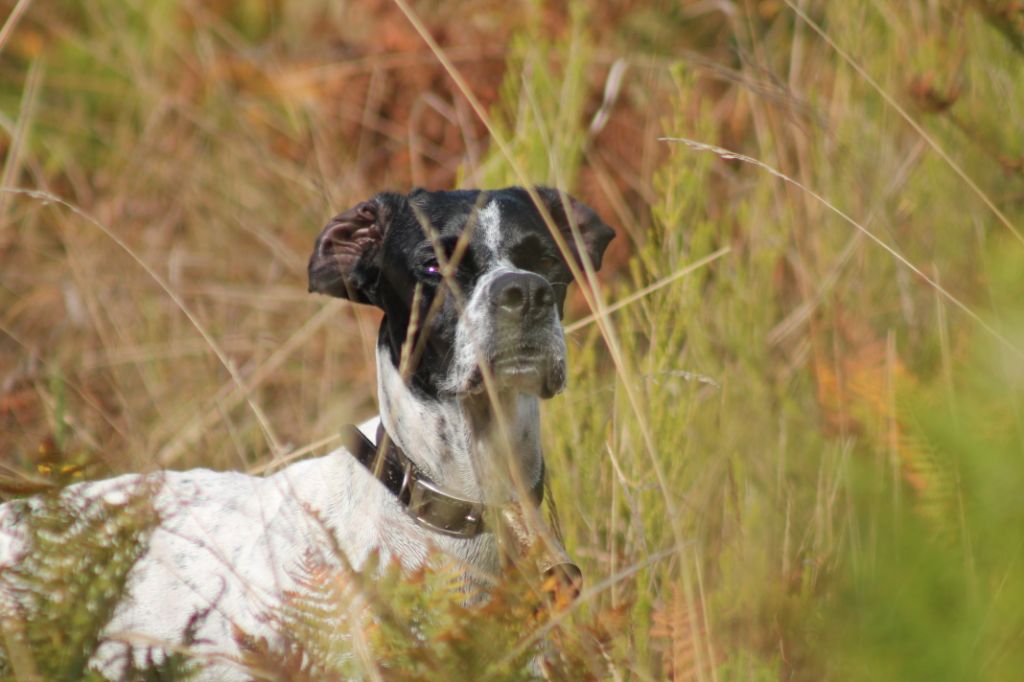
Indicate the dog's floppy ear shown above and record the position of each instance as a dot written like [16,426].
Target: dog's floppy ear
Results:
[594,233]
[343,263]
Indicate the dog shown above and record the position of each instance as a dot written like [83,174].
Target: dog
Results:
[472,284]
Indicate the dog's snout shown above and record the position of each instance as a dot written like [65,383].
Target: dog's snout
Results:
[519,294]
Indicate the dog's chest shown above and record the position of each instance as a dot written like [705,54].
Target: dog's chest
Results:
[231,548]
[247,553]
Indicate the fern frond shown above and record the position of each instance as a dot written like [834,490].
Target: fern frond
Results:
[80,550]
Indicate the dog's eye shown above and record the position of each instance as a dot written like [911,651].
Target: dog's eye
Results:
[432,268]
[550,262]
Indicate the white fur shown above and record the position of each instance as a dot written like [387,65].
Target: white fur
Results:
[235,543]
[443,442]
[488,221]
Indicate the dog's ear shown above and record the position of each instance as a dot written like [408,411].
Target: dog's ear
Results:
[344,258]
[567,212]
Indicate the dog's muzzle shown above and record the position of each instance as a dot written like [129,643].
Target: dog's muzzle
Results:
[527,350]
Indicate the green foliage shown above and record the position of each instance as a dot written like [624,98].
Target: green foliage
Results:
[541,108]
[952,575]
[65,590]
[1007,17]
[434,624]
[782,445]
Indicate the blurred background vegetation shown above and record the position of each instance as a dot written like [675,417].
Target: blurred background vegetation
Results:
[802,460]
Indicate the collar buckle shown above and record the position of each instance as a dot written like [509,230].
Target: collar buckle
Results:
[441,511]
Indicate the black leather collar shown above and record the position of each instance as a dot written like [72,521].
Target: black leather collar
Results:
[425,501]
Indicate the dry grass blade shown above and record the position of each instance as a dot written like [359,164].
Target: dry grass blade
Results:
[50,198]
[281,460]
[242,391]
[12,21]
[12,164]
[910,121]
[649,289]
[734,156]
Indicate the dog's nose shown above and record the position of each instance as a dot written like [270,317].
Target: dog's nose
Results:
[518,294]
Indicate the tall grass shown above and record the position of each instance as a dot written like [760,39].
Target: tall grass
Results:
[801,460]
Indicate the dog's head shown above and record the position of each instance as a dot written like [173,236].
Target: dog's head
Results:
[476,275]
